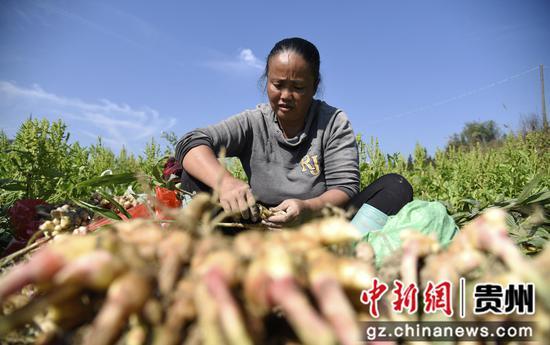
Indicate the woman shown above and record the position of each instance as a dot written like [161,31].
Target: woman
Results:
[299,153]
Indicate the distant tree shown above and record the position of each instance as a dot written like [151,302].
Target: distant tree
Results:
[410,163]
[170,137]
[530,123]
[172,140]
[476,132]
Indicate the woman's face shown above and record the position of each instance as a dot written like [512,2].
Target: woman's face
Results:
[290,86]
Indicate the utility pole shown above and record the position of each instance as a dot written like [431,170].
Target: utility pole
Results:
[544,118]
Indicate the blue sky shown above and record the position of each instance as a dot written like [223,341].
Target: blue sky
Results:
[404,71]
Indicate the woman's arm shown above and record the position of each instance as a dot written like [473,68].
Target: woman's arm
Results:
[334,197]
[235,195]
[201,163]
[198,149]
[296,209]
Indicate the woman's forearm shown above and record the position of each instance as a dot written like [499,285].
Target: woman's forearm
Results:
[334,197]
[201,163]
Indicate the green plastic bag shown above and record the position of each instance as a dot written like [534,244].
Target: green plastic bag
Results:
[424,216]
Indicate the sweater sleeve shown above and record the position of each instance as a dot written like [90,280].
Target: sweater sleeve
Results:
[233,134]
[341,157]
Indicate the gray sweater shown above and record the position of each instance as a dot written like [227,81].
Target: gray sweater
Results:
[323,156]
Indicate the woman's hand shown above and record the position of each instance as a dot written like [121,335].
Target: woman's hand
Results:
[293,210]
[235,195]
[236,198]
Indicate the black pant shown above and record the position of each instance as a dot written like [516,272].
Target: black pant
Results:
[389,193]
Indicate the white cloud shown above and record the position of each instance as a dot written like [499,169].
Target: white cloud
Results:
[117,123]
[248,57]
[245,60]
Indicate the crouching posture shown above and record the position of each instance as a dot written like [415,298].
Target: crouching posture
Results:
[299,153]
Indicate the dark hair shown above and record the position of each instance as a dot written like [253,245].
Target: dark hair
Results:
[300,46]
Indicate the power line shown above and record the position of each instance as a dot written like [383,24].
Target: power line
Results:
[454,98]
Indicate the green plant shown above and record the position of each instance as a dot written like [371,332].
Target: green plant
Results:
[39,160]
[514,175]
[235,167]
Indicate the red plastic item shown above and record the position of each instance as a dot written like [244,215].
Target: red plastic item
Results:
[166,197]
[139,211]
